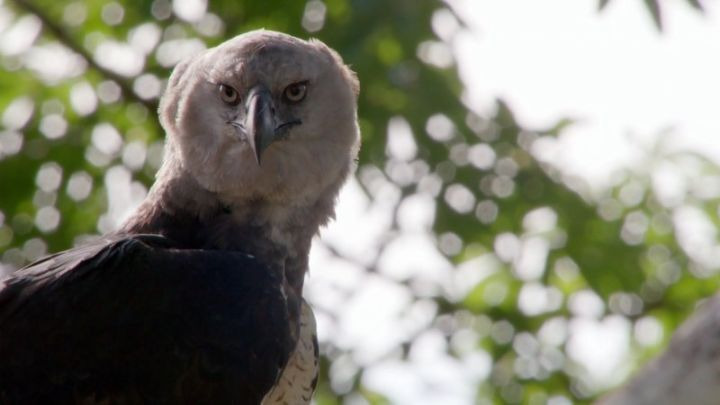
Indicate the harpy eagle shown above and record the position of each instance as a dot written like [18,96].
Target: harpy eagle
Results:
[197,297]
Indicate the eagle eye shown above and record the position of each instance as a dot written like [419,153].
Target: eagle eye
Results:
[229,95]
[295,92]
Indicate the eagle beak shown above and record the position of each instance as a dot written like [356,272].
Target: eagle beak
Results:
[259,119]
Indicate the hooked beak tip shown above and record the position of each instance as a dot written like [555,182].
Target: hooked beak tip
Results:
[260,120]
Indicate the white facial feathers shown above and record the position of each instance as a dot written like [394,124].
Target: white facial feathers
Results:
[303,111]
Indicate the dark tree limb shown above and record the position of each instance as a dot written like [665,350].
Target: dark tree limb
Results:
[61,35]
[687,373]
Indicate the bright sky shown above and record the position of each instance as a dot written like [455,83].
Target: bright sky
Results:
[613,71]
[549,60]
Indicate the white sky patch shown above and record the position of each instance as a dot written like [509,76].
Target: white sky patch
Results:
[190,10]
[83,99]
[611,71]
[397,264]
[400,141]
[370,337]
[602,348]
[145,37]
[20,36]
[357,216]
[169,53]
[120,57]
[123,195]
[18,113]
[65,63]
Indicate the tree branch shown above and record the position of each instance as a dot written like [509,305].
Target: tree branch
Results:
[687,373]
[61,35]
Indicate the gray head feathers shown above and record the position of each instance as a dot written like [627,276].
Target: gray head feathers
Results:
[262,93]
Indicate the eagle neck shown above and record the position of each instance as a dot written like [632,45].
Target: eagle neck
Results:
[278,235]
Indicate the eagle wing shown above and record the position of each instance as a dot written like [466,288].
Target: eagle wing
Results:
[298,380]
[134,319]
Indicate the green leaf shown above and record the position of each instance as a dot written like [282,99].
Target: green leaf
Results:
[696,4]
[653,7]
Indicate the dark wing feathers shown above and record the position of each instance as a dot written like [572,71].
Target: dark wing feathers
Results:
[135,320]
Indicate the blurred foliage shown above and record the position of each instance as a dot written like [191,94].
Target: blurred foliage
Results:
[655,8]
[76,122]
